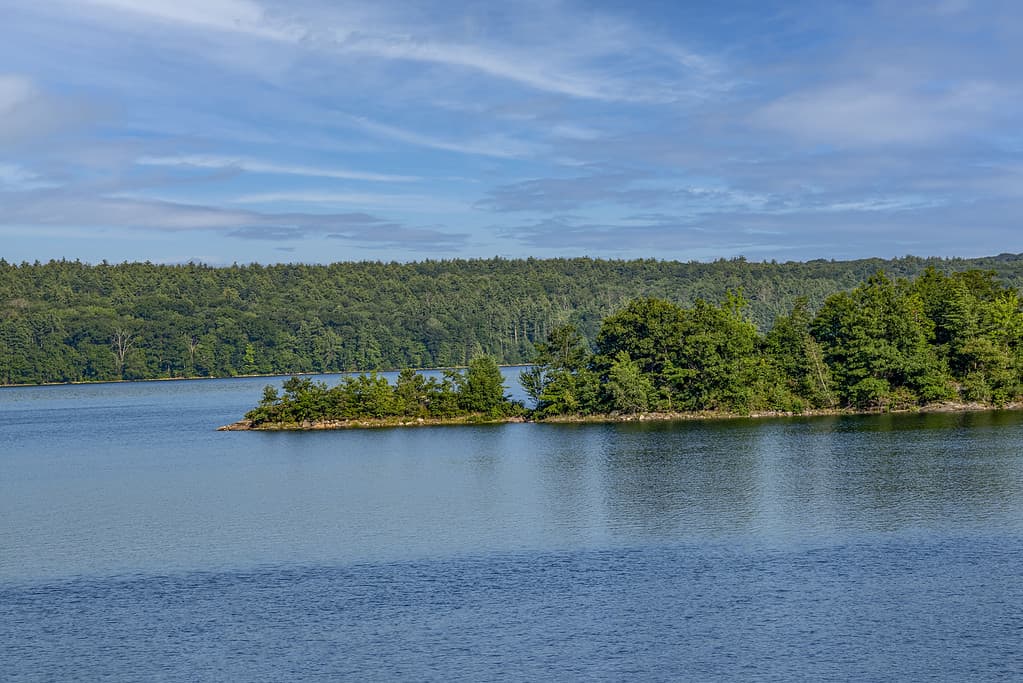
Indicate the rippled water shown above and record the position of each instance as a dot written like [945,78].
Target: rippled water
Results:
[138,543]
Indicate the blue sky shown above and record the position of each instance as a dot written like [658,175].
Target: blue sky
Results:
[316,130]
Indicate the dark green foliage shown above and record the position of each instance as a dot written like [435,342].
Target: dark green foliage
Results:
[628,388]
[68,321]
[693,359]
[796,360]
[880,332]
[942,337]
[884,345]
[480,392]
[483,391]
[412,394]
[558,380]
[648,331]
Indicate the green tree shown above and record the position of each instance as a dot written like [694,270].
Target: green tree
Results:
[798,359]
[649,331]
[559,381]
[249,359]
[715,363]
[880,331]
[412,394]
[484,387]
[628,387]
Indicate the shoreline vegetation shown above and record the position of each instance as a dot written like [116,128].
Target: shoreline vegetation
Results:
[938,342]
[187,378]
[616,418]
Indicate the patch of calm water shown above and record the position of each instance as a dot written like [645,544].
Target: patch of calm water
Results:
[136,542]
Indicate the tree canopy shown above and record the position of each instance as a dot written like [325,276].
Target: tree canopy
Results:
[478,392]
[886,344]
[69,321]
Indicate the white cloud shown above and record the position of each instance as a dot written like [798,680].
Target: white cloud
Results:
[27,113]
[576,52]
[19,179]
[495,145]
[257,166]
[10,174]
[237,16]
[489,60]
[875,113]
[879,204]
[103,212]
[364,200]
[571,131]
[575,60]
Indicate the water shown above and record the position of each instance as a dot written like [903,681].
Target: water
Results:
[137,543]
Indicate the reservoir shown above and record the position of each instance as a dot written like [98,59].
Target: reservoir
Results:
[138,543]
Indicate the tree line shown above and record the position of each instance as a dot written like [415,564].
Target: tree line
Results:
[479,391]
[886,344]
[65,321]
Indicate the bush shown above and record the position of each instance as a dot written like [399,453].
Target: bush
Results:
[870,393]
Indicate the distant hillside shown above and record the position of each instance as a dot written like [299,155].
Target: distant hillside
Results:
[68,321]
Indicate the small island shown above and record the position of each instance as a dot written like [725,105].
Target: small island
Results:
[939,342]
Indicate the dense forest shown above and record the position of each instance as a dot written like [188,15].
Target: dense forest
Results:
[67,321]
[884,345]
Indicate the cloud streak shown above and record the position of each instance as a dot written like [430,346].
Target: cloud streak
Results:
[272,168]
[82,212]
[561,70]
[402,202]
[233,16]
[499,146]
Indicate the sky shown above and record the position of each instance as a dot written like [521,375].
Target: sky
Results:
[315,131]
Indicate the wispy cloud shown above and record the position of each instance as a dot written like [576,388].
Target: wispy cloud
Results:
[880,113]
[58,209]
[434,240]
[623,189]
[28,112]
[500,146]
[561,194]
[241,16]
[828,130]
[517,67]
[269,167]
[571,62]
[368,200]
[15,178]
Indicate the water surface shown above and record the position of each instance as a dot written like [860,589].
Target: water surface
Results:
[138,543]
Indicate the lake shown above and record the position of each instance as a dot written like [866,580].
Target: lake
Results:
[138,543]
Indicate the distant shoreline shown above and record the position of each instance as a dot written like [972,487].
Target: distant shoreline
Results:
[706,415]
[80,382]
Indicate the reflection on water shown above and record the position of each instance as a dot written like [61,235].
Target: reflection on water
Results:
[134,478]
[138,543]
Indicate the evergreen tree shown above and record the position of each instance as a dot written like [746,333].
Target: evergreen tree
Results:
[484,387]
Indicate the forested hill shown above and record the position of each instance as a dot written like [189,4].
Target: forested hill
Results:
[68,321]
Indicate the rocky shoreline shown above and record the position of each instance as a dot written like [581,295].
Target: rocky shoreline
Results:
[378,423]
